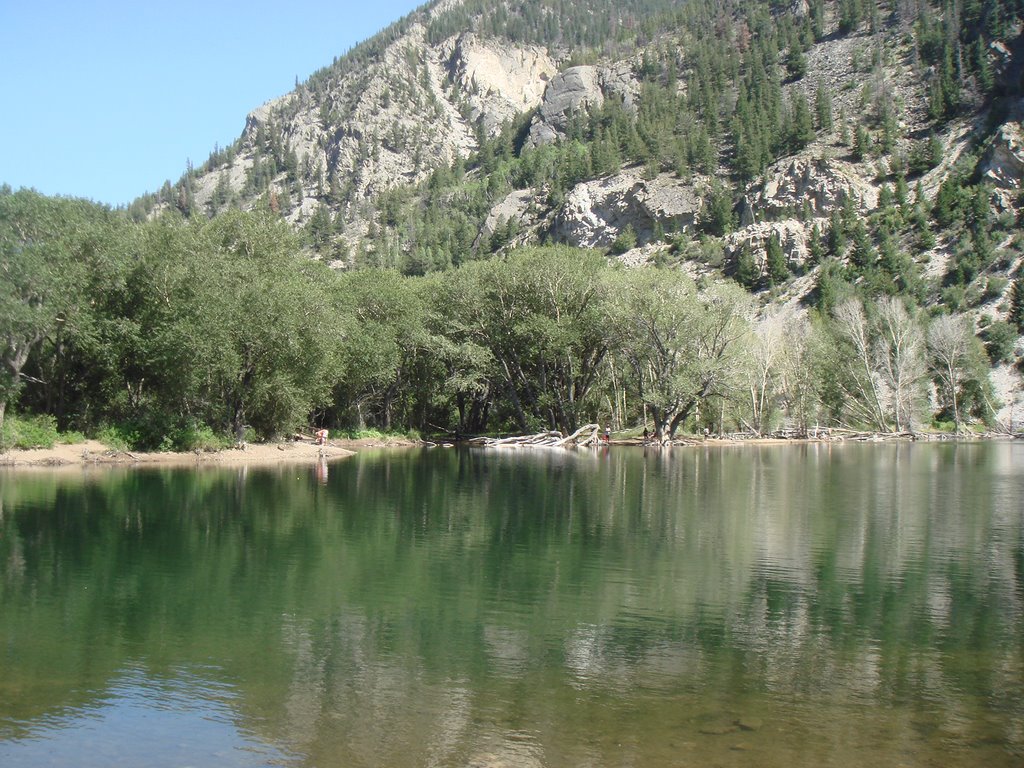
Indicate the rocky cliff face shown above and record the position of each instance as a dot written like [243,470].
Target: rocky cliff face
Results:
[576,89]
[498,82]
[417,107]
[596,212]
[1003,164]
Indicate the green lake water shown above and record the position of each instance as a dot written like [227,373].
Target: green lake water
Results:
[783,606]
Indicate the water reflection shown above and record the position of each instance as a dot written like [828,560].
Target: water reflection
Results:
[809,605]
[143,719]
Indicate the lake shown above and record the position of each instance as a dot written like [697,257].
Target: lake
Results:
[794,605]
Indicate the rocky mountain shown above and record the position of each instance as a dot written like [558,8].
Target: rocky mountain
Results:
[414,100]
[876,141]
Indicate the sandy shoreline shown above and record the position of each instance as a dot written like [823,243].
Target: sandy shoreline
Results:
[92,453]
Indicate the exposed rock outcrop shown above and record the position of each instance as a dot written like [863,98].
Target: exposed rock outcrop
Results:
[805,184]
[500,82]
[575,89]
[596,212]
[1003,164]
[515,216]
[792,235]
[416,107]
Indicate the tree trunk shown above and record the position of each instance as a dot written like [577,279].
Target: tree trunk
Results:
[460,405]
[238,423]
[520,416]
[679,418]
[952,394]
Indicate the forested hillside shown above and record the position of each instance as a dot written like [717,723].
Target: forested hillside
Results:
[824,197]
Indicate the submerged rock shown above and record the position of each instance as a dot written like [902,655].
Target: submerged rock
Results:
[718,728]
[750,723]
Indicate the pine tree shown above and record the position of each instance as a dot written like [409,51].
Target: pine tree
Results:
[746,268]
[717,217]
[836,235]
[862,254]
[861,143]
[823,107]
[1016,316]
[802,127]
[901,193]
[775,261]
[983,67]
[796,62]
[816,246]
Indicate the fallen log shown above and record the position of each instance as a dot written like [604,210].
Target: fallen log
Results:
[584,436]
[576,437]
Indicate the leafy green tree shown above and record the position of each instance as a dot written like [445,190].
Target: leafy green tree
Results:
[546,318]
[280,330]
[383,334]
[683,347]
[159,338]
[46,247]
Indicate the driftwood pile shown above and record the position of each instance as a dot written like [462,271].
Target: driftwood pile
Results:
[840,434]
[584,436]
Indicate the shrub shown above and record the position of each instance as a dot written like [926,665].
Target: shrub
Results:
[198,437]
[118,438]
[954,297]
[626,240]
[1000,339]
[29,432]
[994,288]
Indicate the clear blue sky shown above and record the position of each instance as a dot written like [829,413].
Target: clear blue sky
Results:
[108,99]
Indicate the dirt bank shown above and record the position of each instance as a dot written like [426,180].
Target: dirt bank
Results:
[94,453]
